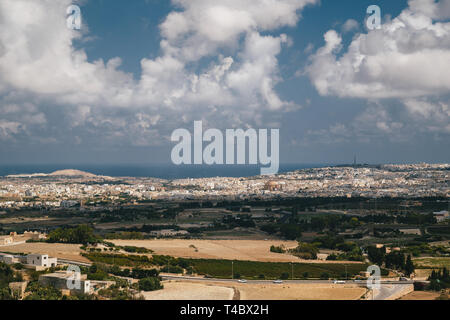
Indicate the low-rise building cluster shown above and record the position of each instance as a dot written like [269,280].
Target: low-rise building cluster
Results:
[88,193]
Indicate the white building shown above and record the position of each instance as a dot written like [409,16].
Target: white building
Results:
[41,260]
[441,216]
[68,203]
[66,281]
[8,259]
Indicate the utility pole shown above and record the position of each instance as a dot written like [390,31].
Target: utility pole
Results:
[232,270]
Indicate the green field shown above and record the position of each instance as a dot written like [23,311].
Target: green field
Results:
[245,269]
[273,270]
[432,262]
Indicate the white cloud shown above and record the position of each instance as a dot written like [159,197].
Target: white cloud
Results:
[39,63]
[432,116]
[404,59]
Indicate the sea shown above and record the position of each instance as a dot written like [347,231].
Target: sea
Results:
[161,171]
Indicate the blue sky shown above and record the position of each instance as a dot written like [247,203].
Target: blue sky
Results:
[328,106]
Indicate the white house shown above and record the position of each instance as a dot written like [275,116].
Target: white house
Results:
[41,260]
[66,281]
[441,216]
[8,259]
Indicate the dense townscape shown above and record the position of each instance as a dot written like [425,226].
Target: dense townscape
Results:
[71,187]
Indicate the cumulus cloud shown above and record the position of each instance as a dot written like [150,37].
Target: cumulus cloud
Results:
[403,59]
[39,63]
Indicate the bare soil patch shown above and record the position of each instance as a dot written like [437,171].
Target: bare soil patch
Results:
[301,292]
[421,295]
[58,250]
[190,291]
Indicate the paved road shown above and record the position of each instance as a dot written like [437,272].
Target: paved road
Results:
[389,290]
[361,283]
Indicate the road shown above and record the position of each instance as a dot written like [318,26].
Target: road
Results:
[390,291]
[361,283]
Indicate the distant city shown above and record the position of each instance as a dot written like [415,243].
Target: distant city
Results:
[69,188]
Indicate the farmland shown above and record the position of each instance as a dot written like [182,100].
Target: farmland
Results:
[274,270]
[432,262]
[190,291]
[227,269]
[248,250]
[252,250]
[182,290]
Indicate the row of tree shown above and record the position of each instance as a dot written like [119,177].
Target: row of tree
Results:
[393,260]
[439,280]
[82,234]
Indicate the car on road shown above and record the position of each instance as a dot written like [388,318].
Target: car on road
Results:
[242,281]
[404,279]
[278,281]
[338,282]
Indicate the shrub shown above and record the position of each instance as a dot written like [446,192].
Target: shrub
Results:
[276,249]
[150,284]
[284,276]
[324,276]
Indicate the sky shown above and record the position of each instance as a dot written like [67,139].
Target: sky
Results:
[115,90]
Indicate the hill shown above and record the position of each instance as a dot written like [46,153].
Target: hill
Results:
[71,173]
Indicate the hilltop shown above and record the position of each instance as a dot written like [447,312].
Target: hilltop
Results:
[72,173]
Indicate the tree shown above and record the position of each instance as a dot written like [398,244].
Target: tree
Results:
[39,292]
[5,294]
[409,266]
[290,231]
[376,255]
[276,249]
[83,234]
[150,284]
[305,251]
[324,276]
[284,276]
[395,260]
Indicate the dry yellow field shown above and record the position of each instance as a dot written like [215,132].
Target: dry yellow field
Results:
[190,291]
[248,250]
[421,295]
[58,250]
[187,290]
[422,274]
[300,292]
